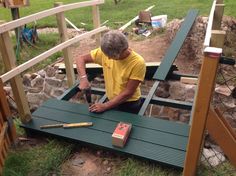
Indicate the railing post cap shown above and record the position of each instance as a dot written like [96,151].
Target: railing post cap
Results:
[213,52]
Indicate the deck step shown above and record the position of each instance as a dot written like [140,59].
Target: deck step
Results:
[150,138]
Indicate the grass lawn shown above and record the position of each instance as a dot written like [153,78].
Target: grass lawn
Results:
[123,12]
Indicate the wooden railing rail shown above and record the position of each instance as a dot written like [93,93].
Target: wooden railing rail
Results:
[21,68]
[46,13]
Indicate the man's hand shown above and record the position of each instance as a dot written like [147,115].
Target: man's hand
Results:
[98,107]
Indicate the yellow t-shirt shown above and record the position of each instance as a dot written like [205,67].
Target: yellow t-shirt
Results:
[118,72]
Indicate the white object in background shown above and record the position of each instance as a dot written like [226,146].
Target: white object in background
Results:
[159,21]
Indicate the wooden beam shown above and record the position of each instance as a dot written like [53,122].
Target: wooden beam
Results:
[219,1]
[200,108]
[218,15]
[187,80]
[222,133]
[148,99]
[217,38]
[217,111]
[9,61]
[31,18]
[6,113]
[96,23]
[70,23]
[68,59]
[134,19]
[17,70]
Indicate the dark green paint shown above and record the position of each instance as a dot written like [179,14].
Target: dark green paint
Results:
[175,46]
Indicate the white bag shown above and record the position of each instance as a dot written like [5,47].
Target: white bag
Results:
[159,21]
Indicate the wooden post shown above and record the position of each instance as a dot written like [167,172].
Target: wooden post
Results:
[219,1]
[96,23]
[16,15]
[200,110]
[6,114]
[67,51]
[217,38]
[202,102]
[219,11]
[9,61]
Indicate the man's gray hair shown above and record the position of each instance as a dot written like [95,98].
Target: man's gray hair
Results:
[113,43]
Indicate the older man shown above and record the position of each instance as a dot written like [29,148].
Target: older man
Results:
[123,71]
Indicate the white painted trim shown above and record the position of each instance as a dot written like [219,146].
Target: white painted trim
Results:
[209,26]
[213,50]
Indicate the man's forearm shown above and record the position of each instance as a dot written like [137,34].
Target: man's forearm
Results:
[80,65]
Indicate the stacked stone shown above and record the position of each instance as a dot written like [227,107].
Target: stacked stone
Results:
[176,91]
[43,85]
[193,45]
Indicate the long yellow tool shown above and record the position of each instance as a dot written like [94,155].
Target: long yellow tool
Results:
[67,125]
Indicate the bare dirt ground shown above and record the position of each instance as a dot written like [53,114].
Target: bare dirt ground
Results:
[152,49]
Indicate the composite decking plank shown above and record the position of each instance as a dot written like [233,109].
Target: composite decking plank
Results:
[139,133]
[151,123]
[172,52]
[134,147]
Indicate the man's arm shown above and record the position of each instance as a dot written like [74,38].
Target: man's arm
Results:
[122,97]
[80,64]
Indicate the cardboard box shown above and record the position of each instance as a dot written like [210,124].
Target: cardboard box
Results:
[121,134]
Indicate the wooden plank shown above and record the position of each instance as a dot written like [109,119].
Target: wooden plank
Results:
[200,108]
[34,17]
[218,38]
[3,135]
[175,46]
[69,93]
[151,123]
[17,70]
[67,53]
[108,125]
[6,113]
[148,99]
[222,134]
[219,1]
[187,80]
[96,23]
[218,15]
[134,147]
[9,61]
[224,121]
[94,69]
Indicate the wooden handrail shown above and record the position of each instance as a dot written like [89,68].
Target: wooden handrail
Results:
[17,70]
[209,26]
[24,20]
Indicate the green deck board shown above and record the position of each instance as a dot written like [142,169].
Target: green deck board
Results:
[139,133]
[175,46]
[150,138]
[134,147]
[151,123]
